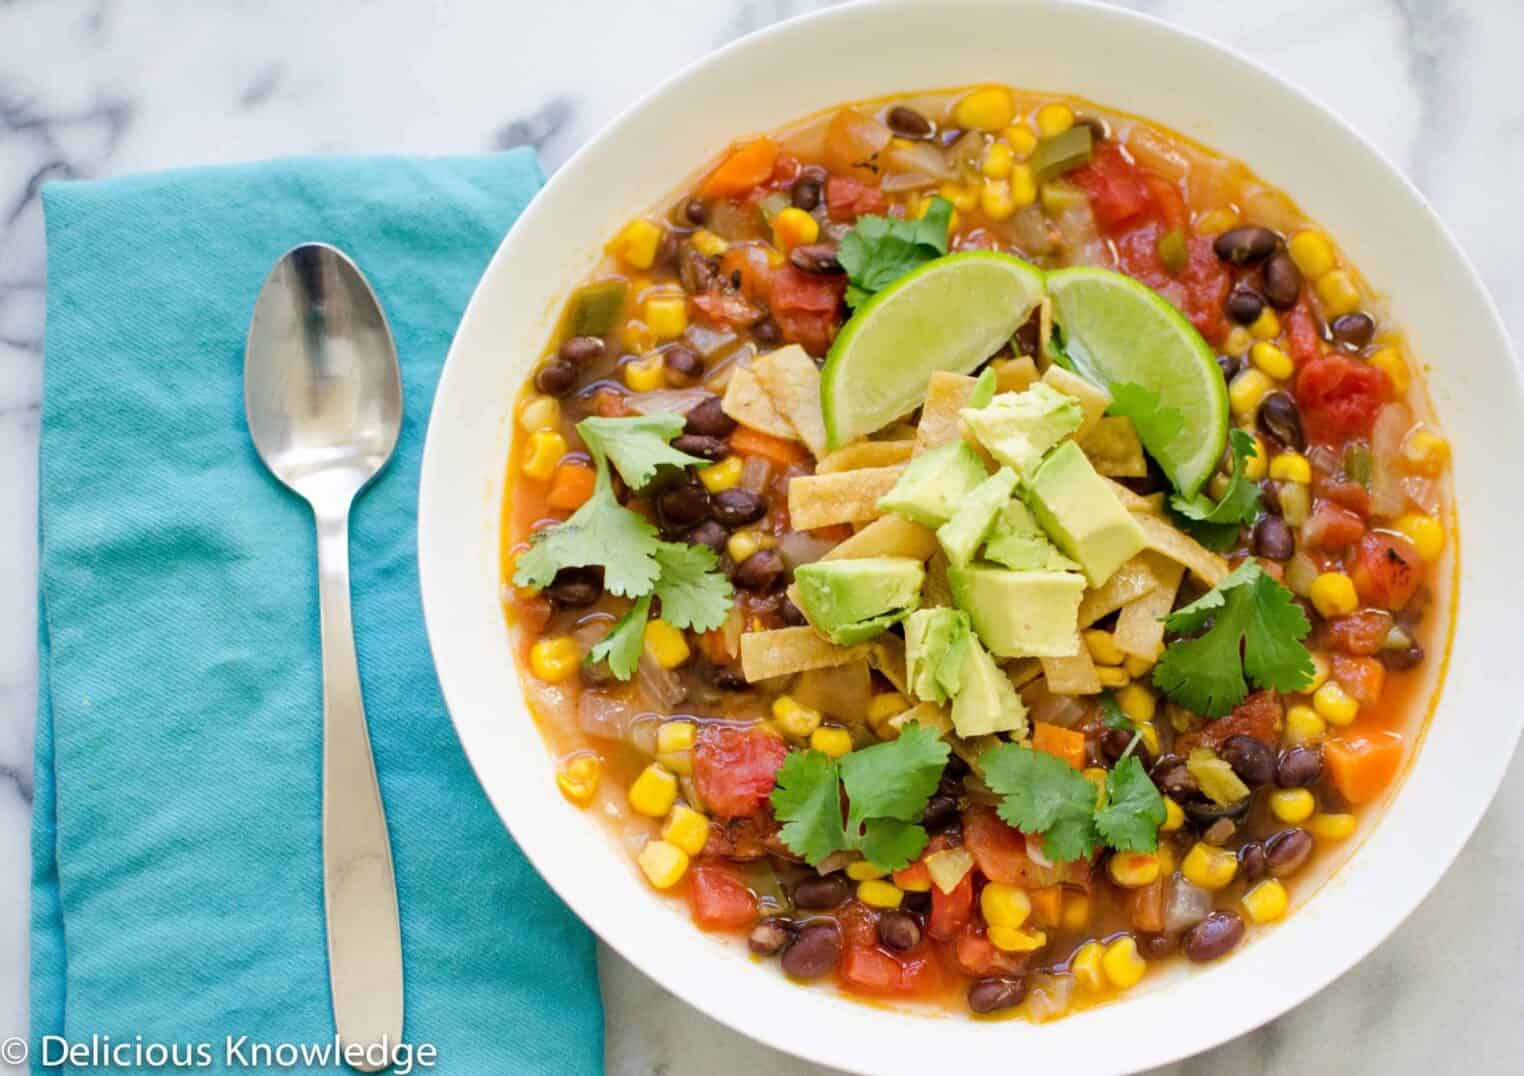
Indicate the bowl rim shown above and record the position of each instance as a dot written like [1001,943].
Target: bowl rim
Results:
[1379,923]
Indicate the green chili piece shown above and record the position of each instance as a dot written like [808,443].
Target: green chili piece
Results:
[596,308]
[1062,153]
[1357,464]
[1172,250]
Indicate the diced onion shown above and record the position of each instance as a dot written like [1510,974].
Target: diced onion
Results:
[1048,996]
[1392,424]
[680,401]
[1185,905]
[755,474]
[608,715]
[948,867]
[801,547]
[658,685]
[919,160]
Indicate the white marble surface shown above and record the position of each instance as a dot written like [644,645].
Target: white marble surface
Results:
[103,87]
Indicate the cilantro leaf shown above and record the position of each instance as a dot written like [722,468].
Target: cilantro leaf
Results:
[891,844]
[601,532]
[1056,349]
[894,779]
[1252,627]
[879,250]
[623,645]
[637,445]
[807,800]
[694,592]
[984,390]
[1111,714]
[1216,525]
[1134,808]
[1043,794]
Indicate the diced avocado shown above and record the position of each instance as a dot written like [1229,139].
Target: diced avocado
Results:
[850,601]
[935,644]
[930,489]
[1018,428]
[986,701]
[1031,614]
[1082,515]
[1016,541]
[962,534]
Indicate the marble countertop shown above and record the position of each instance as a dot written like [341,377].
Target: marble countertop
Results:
[103,87]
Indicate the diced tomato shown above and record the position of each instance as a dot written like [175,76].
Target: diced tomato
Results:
[951,911]
[719,899]
[1340,491]
[1167,202]
[1340,397]
[1114,186]
[999,850]
[746,838]
[859,925]
[1302,337]
[1199,290]
[610,404]
[1067,744]
[726,307]
[977,955]
[1362,677]
[735,769]
[534,614]
[1331,527]
[794,290]
[1260,716]
[1148,907]
[914,877]
[813,332]
[1386,569]
[1360,633]
[785,171]
[1361,766]
[874,970]
[847,198]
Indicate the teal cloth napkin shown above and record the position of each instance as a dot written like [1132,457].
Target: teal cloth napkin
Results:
[177,883]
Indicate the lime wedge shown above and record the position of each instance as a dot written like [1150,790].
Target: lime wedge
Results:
[1118,331]
[950,314]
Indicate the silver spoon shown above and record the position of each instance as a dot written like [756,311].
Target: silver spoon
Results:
[323,394]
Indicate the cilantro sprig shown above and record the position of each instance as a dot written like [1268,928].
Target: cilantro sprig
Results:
[1216,525]
[638,446]
[887,787]
[880,250]
[1250,628]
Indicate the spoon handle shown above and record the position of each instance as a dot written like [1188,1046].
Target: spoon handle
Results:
[360,892]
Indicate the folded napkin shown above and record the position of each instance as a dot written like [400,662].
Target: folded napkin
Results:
[177,889]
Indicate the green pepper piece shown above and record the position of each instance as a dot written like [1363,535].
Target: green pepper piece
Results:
[1172,251]
[1357,464]
[596,308]
[1062,153]
[1059,196]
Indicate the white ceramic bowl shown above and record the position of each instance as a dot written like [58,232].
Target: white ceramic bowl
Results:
[1116,58]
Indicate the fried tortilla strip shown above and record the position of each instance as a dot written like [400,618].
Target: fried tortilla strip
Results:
[1014,375]
[842,692]
[1198,560]
[936,591]
[890,535]
[1069,676]
[792,379]
[1136,502]
[784,651]
[1045,333]
[928,715]
[946,395]
[887,654]
[1129,582]
[1140,625]
[748,403]
[1114,448]
[1092,400]
[823,500]
[866,454]
[1023,671]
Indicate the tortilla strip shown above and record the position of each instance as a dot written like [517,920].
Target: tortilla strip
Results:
[1135,502]
[928,715]
[887,654]
[1068,676]
[1045,332]
[946,395]
[1093,401]
[1129,582]
[936,591]
[890,535]
[824,500]
[1014,375]
[865,454]
[1114,448]
[1162,538]
[842,692]
[792,379]
[1023,671]
[783,651]
[1140,625]
[748,403]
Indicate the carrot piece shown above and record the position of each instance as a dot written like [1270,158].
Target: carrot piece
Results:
[1362,766]
[570,487]
[1363,678]
[1060,742]
[747,165]
[915,877]
[1048,904]
[746,441]
[1148,907]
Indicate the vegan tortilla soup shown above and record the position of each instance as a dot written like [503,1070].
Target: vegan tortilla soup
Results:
[977,547]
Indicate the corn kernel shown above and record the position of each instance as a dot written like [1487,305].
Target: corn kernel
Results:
[636,243]
[885,705]
[1319,672]
[1390,361]
[1292,805]
[1103,647]
[645,375]
[1312,253]
[1004,905]
[1138,702]
[1149,736]
[1123,964]
[1076,911]
[654,792]
[742,544]
[1174,816]
[1133,870]
[1021,140]
[1267,326]
[540,413]
[686,828]
[1266,902]
[667,645]
[1338,293]
[995,199]
[1254,466]
[637,336]
[1291,467]
[578,778]
[1333,593]
[1239,341]
[1023,186]
[1332,827]
[555,658]
[1112,676]
[1247,390]
[793,227]
[674,736]
[1334,704]
[1208,866]
[998,160]
[1137,665]
[1015,940]
[988,109]
[663,863]
[723,475]
[1303,725]
[708,244]
[667,315]
[1216,221]
[877,893]
[793,719]
[546,447]
[1085,966]
[1054,120]
[1425,452]
[962,196]
[833,742]
[1425,532]
[1272,360]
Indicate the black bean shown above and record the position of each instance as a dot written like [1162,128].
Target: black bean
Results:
[919,903]
[993,995]
[1114,742]
[763,570]
[1248,245]
[683,364]
[1353,330]
[767,333]
[709,533]
[1220,832]
[582,349]
[821,891]
[908,123]
[1245,305]
[705,448]
[728,679]
[1028,340]
[1214,937]
[1299,766]
[1204,814]
[556,378]
[1281,281]
[818,258]
[1270,497]
[695,270]
[1173,779]
[898,930]
[1252,861]
[805,193]
[813,952]
[708,419]
[574,588]
[1230,365]
[1272,539]
[1279,417]
[1158,946]
[685,505]
[694,211]
[1099,132]
[941,812]
[791,614]
[1287,851]
[737,507]
[1403,657]
[769,936]
[668,250]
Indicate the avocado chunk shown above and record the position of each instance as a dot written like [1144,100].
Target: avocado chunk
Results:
[930,488]
[986,701]
[936,645]
[962,535]
[850,601]
[1082,515]
[1016,541]
[1019,428]
[1029,614]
